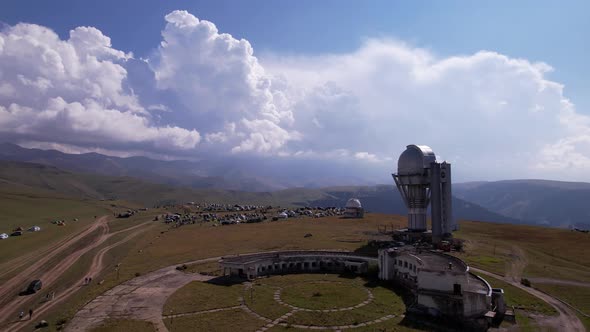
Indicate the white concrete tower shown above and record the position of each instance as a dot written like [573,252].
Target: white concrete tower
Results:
[421,179]
[413,182]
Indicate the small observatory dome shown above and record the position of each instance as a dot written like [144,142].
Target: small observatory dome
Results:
[415,159]
[353,203]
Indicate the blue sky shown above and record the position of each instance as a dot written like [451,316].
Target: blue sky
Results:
[499,88]
[555,32]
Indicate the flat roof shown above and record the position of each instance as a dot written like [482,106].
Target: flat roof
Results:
[432,260]
[437,261]
[477,285]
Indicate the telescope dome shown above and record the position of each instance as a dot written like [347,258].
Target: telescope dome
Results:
[415,159]
[353,203]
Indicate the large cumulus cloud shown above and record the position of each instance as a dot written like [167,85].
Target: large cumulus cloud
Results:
[220,85]
[495,116]
[72,91]
[203,91]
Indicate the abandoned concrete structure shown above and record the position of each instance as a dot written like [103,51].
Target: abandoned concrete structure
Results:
[284,262]
[442,284]
[354,209]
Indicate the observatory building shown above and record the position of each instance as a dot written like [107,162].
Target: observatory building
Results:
[422,180]
[354,209]
[443,285]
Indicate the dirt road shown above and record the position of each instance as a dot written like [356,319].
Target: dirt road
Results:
[95,268]
[32,271]
[517,264]
[18,262]
[50,276]
[567,319]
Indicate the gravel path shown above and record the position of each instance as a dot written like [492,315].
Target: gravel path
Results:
[140,298]
[567,319]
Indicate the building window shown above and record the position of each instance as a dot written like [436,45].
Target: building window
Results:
[405,264]
[457,289]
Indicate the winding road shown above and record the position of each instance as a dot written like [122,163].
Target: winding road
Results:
[567,319]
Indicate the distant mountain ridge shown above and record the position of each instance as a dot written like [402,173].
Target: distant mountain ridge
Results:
[553,203]
[243,173]
[174,172]
[30,177]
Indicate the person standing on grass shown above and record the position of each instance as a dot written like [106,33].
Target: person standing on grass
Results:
[21,314]
[30,314]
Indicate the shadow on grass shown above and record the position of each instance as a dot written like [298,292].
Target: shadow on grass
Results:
[428,323]
[226,281]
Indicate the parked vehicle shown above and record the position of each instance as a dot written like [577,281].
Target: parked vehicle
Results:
[33,287]
[17,233]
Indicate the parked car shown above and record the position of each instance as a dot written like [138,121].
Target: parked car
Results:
[33,287]
[17,233]
[3,236]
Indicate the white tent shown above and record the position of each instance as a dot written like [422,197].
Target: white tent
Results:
[283,215]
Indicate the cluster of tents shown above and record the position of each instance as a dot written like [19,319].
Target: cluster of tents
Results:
[309,212]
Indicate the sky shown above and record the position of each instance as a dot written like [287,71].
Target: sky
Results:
[497,88]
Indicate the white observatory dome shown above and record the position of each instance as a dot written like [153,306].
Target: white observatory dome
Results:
[353,203]
[415,159]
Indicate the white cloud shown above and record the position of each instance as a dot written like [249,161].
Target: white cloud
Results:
[495,116]
[72,91]
[366,156]
[219,81]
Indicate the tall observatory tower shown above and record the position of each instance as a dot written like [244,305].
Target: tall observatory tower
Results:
[422,180]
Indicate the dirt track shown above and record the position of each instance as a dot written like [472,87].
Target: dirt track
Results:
[45,254]
[140,298]
[567,319]
[33,270]
[49,277]
[18,262]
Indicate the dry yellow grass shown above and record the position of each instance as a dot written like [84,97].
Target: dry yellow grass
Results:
[567,251]
[191,242]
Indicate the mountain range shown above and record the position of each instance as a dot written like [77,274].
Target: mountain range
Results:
[154,182]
